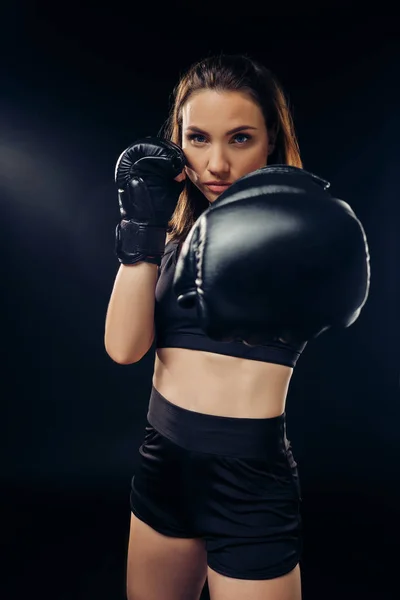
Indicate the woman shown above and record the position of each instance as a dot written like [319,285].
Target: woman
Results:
[200,509]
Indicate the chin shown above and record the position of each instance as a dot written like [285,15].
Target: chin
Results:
[212,197]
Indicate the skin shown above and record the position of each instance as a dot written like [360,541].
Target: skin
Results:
[211,383]
[203,381]
[216,154]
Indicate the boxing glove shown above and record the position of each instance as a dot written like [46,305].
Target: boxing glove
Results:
[147,197]
[274,257]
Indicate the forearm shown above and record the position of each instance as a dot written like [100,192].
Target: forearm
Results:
[129,326]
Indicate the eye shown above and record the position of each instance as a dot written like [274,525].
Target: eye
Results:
[192,137]
[243,135]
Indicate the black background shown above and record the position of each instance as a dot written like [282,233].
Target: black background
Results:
[77,86]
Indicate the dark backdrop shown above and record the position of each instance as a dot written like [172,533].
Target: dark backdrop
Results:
[77,86]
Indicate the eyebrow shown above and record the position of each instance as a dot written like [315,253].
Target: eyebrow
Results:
[234,130]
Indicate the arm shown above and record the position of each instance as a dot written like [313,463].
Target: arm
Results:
[129,326]
[149,177]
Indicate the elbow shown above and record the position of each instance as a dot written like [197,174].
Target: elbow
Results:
[124,361]
[123,358]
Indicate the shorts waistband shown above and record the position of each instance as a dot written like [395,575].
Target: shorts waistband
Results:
[214,434]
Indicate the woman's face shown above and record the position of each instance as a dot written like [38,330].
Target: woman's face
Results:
[224,137]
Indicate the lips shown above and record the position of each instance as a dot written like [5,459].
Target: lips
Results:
[217,188]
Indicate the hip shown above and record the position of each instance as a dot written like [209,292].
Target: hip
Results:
[256,451]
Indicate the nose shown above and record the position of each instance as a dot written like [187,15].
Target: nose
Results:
[217,161]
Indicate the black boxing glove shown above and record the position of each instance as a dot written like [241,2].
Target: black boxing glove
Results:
[147,196]
[274,258]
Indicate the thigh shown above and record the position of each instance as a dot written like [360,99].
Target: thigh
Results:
[286,587]
[160,566]
[251,519]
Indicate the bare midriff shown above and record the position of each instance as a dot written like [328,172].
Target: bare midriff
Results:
[221,385]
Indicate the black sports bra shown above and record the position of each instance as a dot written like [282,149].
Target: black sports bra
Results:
[177,327]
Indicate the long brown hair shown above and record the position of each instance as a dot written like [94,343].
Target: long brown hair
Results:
[229,73]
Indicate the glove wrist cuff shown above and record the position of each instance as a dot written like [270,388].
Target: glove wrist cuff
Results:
[139,242]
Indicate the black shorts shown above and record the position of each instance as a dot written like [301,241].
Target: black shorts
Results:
[232,482]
